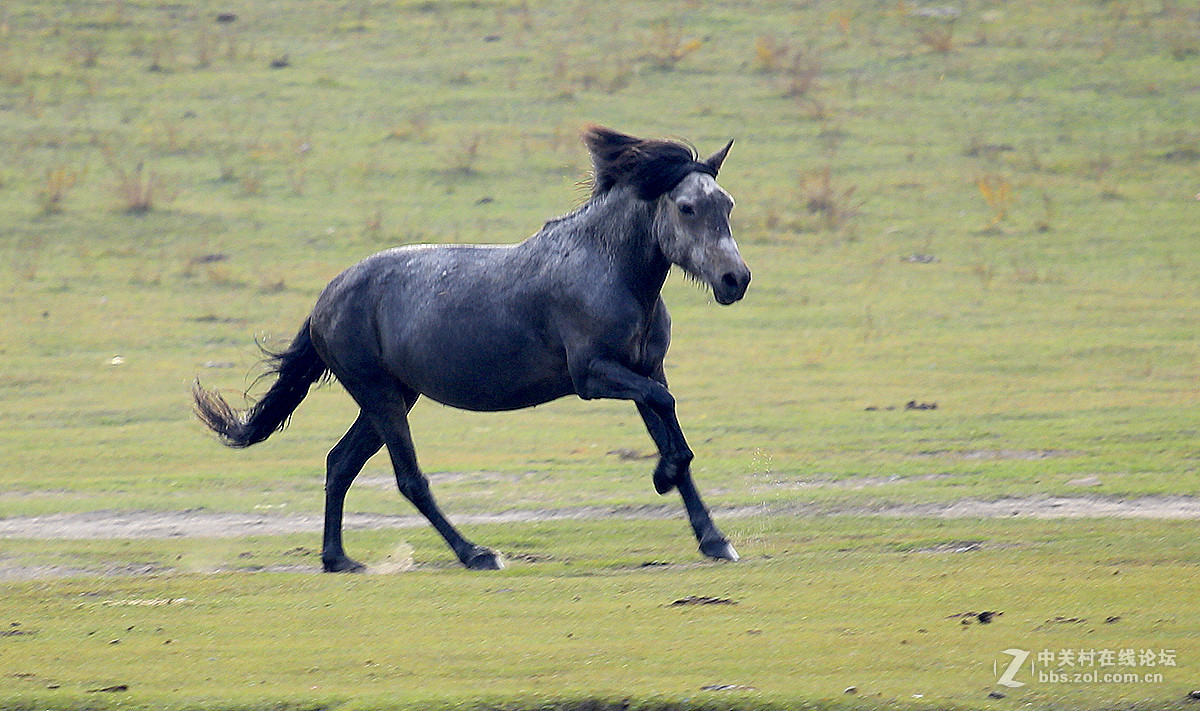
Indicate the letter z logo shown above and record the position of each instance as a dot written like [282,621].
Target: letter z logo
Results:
[1008,678]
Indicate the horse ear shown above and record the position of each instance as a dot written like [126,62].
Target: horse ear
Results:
[716,159]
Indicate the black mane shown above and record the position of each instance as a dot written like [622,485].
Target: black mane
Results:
[651,166]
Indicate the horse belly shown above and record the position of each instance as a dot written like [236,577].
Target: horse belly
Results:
[494,397]
[487,369]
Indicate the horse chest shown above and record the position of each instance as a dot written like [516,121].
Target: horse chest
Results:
[645,339]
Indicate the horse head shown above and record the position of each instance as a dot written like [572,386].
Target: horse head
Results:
[691,211]
[692,227]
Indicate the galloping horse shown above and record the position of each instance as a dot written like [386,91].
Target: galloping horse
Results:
[574,309]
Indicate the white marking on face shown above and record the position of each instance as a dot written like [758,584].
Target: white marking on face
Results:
[703,188]
[729,247]
[701,185]
[707,184]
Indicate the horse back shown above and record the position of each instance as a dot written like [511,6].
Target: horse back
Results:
[469,326]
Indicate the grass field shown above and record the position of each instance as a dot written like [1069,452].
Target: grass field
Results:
[589,612]
[993,210]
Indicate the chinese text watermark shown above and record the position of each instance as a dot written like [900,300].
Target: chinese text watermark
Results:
[1127,665]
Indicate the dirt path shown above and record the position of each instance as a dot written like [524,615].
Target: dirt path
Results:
[203,523]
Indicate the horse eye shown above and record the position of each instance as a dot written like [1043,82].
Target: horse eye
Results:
[687,209]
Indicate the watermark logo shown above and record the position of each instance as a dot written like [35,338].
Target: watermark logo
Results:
[1009,676]
[1129,665]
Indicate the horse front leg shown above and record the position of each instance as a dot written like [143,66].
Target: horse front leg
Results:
[672,459]
[609,379]
[677,473]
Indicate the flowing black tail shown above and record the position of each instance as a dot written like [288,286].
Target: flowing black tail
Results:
[297,367]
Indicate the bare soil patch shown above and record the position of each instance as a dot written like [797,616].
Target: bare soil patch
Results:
[208,524]
[204,523]
[1052,507]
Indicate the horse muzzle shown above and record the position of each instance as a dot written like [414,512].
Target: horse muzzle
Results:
[732,286]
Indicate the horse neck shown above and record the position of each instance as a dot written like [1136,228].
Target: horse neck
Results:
[619,227]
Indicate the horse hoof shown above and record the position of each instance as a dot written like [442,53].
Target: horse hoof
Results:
[484,559]
[343,565]
[720,550]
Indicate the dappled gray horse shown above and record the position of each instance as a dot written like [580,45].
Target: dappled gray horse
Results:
[574,309]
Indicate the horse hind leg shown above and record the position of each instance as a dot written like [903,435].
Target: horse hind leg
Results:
[343,464]
[415,488]
[391,422]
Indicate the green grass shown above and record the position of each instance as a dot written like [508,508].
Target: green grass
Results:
[167,195]
[585,611]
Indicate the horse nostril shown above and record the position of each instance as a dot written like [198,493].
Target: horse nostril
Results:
[736,281]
